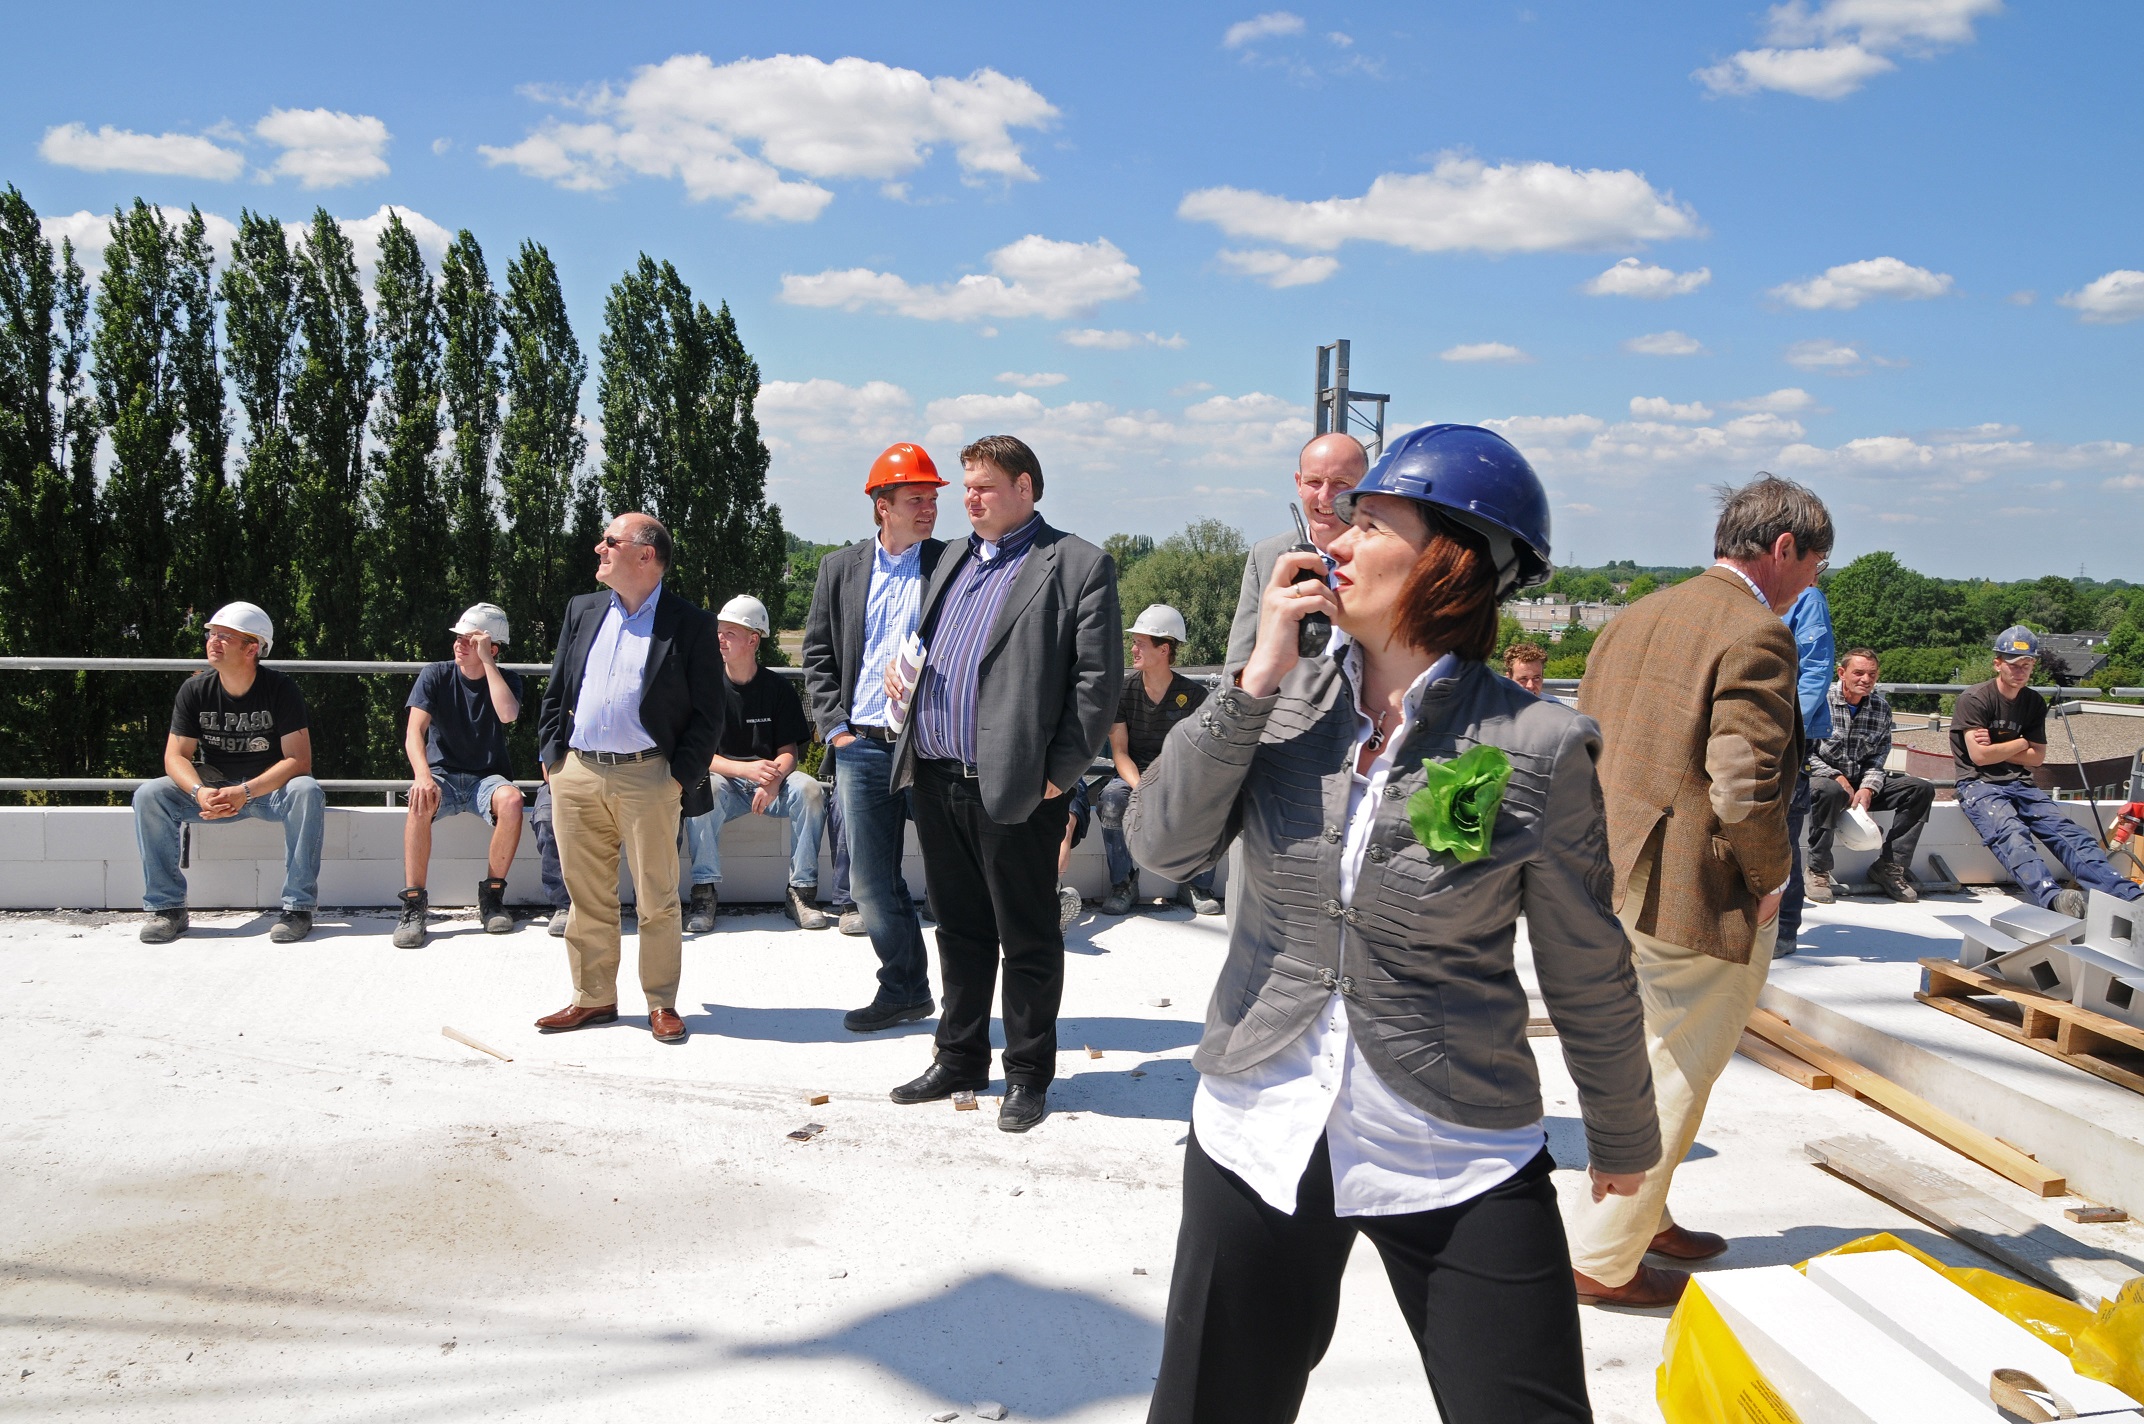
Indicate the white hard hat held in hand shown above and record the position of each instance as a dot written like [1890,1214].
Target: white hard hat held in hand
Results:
[1857,830]
[746,612]
[1161,621]
[486,618]
[248,618]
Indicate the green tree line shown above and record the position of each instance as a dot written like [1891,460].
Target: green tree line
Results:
[177,432]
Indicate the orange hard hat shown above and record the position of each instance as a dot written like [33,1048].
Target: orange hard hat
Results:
[902,464]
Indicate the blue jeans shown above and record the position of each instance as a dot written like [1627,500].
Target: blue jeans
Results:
[837,835]
[1790,904]
[2008,817]
[462,793]
[554,875]
[1115,800]
[876,818]
[801,801]
[160,808]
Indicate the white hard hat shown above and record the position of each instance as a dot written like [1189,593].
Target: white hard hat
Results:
[746,612]
[486,618]
[248,618]
[1857,830]
[1162,621]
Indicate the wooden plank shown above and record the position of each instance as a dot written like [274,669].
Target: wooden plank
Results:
[1785,1064]
[2113,1071]
[1914,1111]
[2038,1252]
[1539,1027]
[459,1037]
[1959,981]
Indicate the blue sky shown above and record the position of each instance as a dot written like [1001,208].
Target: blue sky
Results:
[1890,247]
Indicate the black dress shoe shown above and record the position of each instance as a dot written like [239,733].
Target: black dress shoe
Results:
[873,1017]
[1023,1107]
[938,1081]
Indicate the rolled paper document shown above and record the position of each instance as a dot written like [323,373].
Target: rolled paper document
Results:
[907,665]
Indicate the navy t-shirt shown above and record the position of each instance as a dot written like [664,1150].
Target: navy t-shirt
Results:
[240,737]
[466,735]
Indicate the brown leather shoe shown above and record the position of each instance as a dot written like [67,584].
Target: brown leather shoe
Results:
[577,1016]
[666,1026]
[1651,1287]
[1680,1245]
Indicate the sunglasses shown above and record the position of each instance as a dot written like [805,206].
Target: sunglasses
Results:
[612,541]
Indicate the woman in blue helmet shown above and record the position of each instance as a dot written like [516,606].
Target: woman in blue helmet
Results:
[1364,1066]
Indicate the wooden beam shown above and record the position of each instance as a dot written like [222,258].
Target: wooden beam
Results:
[1785,1064]
[1850,1077]
[2040,1253]
[459,1037]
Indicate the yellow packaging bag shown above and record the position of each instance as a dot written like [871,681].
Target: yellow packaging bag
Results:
[1706,1377]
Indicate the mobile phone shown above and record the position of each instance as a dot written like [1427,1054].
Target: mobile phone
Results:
[1315,630]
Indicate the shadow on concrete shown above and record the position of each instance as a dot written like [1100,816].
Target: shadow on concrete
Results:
[792,1025]
[1043,1352]
[1866,944]
[1161,1093]
[1567,1144]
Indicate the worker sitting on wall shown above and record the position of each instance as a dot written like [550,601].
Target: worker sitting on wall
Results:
[1847,769]
[1155,698]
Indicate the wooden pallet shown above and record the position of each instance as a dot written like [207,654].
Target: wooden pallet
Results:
[2105,1048]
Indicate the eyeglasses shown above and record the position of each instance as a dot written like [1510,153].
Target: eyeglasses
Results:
[1823,567]
[612,541]
[218,635]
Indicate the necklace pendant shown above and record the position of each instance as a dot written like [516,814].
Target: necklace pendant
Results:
[1377,739]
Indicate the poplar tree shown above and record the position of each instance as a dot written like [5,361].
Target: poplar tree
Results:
[260,322]
[552,518]
[208,536]
[469,311]
[27,458]
[405,609]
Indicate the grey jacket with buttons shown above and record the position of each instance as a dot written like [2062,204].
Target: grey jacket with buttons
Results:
[1425,968]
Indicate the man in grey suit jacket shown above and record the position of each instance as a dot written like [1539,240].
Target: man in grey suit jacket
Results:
[1024,666]
[1328,466]
[867,601]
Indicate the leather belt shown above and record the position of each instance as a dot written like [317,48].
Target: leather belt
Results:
[882,735]
[619,758]
[951,770]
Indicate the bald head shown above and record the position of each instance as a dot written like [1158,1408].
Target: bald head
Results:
[632,556]
[1330,465]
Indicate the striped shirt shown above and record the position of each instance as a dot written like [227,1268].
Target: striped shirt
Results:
[945,702]
[890,610]
[1859,743]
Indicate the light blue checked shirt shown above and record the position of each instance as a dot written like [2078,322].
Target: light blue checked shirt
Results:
[607,716]
[945,701]
[890,610]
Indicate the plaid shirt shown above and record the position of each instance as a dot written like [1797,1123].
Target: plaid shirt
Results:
[1859,743]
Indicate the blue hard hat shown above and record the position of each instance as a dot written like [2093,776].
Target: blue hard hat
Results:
[1474,477]
[2017,642]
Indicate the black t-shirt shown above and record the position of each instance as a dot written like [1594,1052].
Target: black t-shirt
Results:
[1147,724]
[240,737]
[466,735]
[764,716]
[2006,721]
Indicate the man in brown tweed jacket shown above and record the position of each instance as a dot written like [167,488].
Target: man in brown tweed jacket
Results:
[1694,690]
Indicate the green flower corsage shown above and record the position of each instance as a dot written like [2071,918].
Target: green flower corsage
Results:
[1456,808]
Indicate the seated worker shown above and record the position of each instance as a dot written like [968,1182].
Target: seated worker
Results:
[456,743]
[755,772]
[1997,735]
[1846,769]
[1155,698]
[1523,664]
[238,747]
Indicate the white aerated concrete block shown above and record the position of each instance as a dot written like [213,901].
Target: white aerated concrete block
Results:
[231,885]
[22,836]
[2107,985]
[373,833]
[1979,943]
[1962,1338]
[55,885]
[2111,926]
[2034,925]
[247,839]
[91,833]
[2046,967]
[1825,1361]
[122,885]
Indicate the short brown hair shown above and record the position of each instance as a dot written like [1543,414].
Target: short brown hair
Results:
[1851,653]
[1010,454]
[1753,517]
[1449,601]
[1524,653]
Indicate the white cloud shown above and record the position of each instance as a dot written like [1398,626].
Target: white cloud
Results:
[1664,343]
[1847,286]
[699,123]
[1035,380]
[1272,24]
[1278,269]
[820,412]
[1341,39]
[364,234]
[1035,276]
[121,150]
[1788,400]
[1832,50]
[323,148]
[2116,297]
[1485,351]
[1822,354]
[1094,339]
[91,233]
[1632,278]
[1461,204]
[1661,408]
[1546,429]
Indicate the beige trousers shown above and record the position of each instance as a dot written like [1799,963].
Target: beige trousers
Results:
[596,811]
[1695,1007]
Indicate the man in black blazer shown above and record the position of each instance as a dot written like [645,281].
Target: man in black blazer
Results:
[868,600]
[631,714]
[1025,663]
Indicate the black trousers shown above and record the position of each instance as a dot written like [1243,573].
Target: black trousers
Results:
[1485,1287]
[993,888]
[1908,796]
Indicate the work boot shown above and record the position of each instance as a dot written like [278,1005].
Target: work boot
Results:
[1068,907]
[163,926]
[1890,877]
[700,916]
[556,922]
[852,922]
[409,930]
[1816,887]
[491,906]
[1120,897]
[2071,903]
[802,905]
[291,926]
[1202,902]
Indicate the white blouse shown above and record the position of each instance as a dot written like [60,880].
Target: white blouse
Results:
[1389,1157]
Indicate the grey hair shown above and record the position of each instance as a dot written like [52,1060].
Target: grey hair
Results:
[1753,517]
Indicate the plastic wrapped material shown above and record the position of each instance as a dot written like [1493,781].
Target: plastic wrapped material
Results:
[1705,1375]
